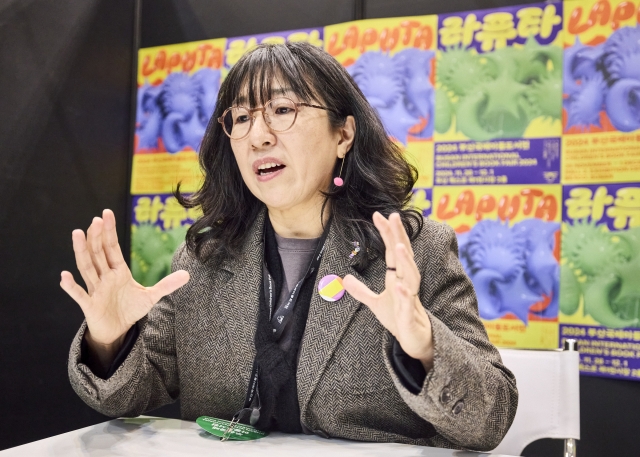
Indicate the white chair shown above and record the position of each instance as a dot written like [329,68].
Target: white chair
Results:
[549,398]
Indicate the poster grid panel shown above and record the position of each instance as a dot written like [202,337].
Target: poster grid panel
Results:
[600,299]
[524,125]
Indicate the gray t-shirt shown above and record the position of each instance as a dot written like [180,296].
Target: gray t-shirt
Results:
[295,254]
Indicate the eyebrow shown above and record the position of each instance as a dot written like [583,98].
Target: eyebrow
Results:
[241,100]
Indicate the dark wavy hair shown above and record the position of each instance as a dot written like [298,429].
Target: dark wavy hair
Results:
[376,175]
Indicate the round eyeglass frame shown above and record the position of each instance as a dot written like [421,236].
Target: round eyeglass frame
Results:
[268,122]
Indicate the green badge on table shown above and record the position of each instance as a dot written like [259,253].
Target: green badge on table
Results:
[239,432]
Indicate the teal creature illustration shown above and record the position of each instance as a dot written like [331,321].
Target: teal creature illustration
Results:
[152,251]
[498,94]
[601,270]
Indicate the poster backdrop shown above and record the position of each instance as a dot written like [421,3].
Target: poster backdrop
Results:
[497,162]
[524,124]
[600,291]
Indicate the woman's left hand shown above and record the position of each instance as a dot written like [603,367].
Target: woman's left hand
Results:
[398,307]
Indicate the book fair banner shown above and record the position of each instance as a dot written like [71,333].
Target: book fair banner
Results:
[524,125]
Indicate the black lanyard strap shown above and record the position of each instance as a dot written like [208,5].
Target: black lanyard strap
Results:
[279,320]
[282,316]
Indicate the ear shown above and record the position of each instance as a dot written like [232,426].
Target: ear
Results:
[347,135]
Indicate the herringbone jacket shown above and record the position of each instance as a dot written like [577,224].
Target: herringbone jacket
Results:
[198,344]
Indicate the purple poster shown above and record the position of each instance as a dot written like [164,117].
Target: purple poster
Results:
[238,46]
[600,290]
[498,116]
[490,29]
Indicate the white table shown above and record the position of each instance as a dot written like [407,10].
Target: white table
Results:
[154,436]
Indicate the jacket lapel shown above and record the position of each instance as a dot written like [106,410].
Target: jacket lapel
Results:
[327,321]
[239,297]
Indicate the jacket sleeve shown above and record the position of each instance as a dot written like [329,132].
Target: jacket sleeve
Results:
[469,396]
[148,376]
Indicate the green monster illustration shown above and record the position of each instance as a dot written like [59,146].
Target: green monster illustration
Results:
[152,250]
[498,94]
[600,269]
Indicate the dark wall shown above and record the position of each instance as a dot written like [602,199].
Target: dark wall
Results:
[177,21]
[65,92]
[65,118]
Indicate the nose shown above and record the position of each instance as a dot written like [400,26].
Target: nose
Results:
[260,134]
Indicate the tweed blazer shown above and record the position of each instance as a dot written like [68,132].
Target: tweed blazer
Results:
[198,344]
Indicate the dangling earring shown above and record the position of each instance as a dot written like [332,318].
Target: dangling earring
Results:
[338,180]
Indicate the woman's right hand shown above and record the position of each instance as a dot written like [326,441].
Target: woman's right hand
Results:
[113,301]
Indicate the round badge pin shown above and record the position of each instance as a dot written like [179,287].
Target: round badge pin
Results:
[330,288]
[239,432]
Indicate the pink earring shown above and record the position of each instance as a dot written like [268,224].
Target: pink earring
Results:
[338,181]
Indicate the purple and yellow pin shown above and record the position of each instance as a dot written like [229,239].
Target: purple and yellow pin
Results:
[330,288]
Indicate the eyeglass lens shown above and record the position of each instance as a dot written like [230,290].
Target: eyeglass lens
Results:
[279,114]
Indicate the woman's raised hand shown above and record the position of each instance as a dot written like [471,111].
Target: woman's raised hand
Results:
[398,307]
[113,301]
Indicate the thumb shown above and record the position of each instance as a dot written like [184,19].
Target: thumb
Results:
[359,291]
[168,285]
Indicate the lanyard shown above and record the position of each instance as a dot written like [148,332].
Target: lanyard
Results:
[282,315]
[279,321]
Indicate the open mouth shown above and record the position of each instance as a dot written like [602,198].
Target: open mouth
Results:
[269,168]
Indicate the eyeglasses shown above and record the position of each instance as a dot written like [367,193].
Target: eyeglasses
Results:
[279,114]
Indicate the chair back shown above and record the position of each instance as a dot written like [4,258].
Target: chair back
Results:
[549,397]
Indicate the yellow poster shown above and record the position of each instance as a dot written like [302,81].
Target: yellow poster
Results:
[177,91]
[509,242]
[392,61]
[601,81]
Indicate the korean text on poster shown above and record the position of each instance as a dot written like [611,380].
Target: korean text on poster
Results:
[160,224]
[524,161]
[239,46]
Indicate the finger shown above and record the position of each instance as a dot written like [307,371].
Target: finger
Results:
[399,233]
[110,243]
[76,292]
[168,285]
[405,306]
[358,290]
[382,224]
[94,240]
[84,261]
[406,269]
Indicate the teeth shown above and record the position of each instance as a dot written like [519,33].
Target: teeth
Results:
[264,166]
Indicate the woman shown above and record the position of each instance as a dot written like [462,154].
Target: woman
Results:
[301,183]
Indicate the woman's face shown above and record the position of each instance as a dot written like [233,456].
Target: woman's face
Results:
[304,156]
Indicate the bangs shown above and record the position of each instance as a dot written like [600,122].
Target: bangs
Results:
[267,72]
